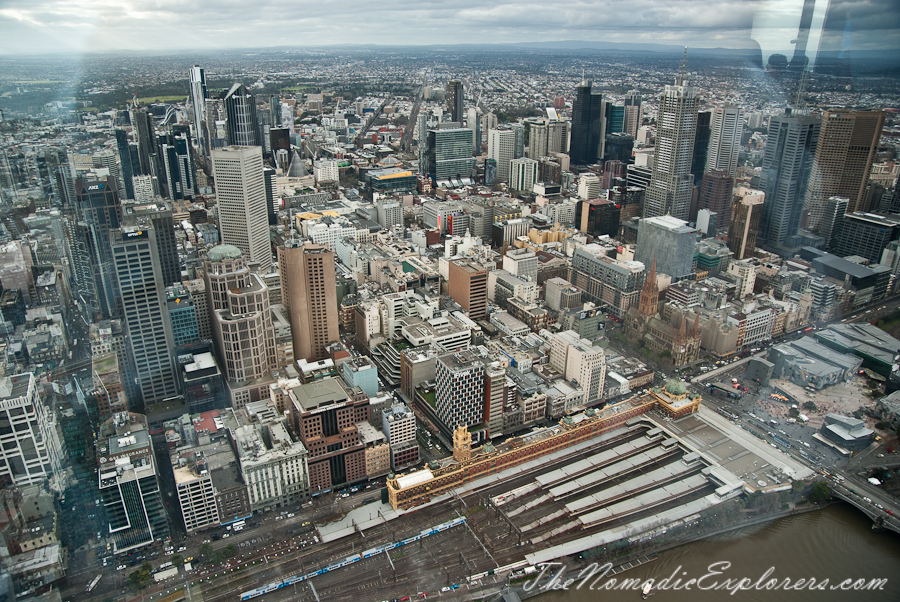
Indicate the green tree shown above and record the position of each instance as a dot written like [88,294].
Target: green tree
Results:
[206,550]
[883,426]
[793,412]
[177,558]
[230,550]
[811,406]
[819,492]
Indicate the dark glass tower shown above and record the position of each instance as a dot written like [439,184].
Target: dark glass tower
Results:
[587,125]
[242,125]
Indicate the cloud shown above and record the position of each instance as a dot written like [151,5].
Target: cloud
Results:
[100,25]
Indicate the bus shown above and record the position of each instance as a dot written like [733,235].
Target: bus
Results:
[93,583]
[239,526]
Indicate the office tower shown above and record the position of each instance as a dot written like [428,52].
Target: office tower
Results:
[668,241]
[581,363]
[715,194]
[619,147]
[468,287]
[832,220]
[490,172]
[726,127]
[390,214]
[538,134]
[522,263]
[597,217]
[847,144]
[474,123]
[325,417]
[399,426]
[786,166]
[273,202]
[748,204]
[146,143]
[287,118]
[522,174]
[459,396]
[455,96]
[615,119]
[32,449]
[243,124]
[159,215]
[701,145]
[241,201]
[672,184]
[123,147]
[707,222]
[199,94]
[308,291]
[145,188]
[98,213]
[638,176]
[182,315]
[240,317]
[488,122]
[129,484]
[632,113]
[142,292]
[448,155]
[588,186]
[519,129]
[587,125]
[864,234]
[179,168]
[502,149]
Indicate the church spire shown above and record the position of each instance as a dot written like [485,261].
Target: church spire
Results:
[695,329]
[649,301]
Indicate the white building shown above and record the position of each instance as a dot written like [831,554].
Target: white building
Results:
[241,201]
[32,449]
[580,362]
[726,127]
[326,171]
[502,148]
[745,271]
[522,174]
[588,187]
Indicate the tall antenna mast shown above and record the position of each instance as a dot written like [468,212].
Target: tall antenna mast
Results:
[684,63]
[801,86]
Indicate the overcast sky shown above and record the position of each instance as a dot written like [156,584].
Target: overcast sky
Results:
[29,26]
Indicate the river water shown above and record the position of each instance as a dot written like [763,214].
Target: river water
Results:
[836,543]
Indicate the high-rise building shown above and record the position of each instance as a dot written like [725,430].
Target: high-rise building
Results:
[726,127]
[147,143]
[832,220]
[615,119]
[670,242]
[632,113]
[310,297]
[619,147]
[142,292]
[715,194]
[786,165]
[523,174]
[182,315]
[124,148]
[178,161]
[847,144]
[748,204]
[448,155]
[455,96]
[522,263]
[865,234]
[241,201]
[502,148]
[597,217]
[159,215]
[587,125]
[98,213]
[32,450]
[129,484]
[468,287]
[199,94]
[547,137]
[605,280]
[243,123]
[589,186]
[701,145]
[672,183]
[459,397]
[474,123]
[241,320]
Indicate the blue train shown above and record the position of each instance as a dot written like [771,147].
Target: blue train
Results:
[271,587]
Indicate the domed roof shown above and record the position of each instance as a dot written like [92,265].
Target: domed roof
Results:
[675,387]
[220,252]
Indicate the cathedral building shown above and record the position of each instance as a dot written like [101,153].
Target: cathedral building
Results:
[644,323]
